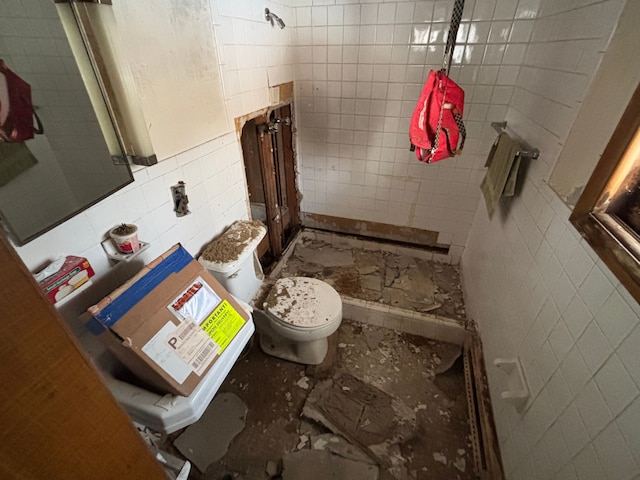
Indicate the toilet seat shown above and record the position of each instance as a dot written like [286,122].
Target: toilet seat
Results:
[301,303]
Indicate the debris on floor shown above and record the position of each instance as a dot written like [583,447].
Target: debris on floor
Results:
[438,457]
[207,440]
[326,257]
[401,281]
[322,465]
[341,447]
[365,366]
[447,361]
[373,338]
[362,413]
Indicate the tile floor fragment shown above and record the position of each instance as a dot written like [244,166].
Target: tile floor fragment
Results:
[207,440]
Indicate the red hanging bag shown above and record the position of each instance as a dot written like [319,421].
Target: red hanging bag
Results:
[16,110]
[436,130]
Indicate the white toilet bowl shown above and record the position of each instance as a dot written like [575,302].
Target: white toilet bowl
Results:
[300,314]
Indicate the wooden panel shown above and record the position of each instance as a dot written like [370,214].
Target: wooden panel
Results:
[382,231]
[58,419]
[484,437]
[250,152]
[274,222]
[293,196]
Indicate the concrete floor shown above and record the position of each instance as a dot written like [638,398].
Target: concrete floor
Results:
[412,370]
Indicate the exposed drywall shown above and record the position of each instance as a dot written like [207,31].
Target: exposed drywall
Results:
[608,96]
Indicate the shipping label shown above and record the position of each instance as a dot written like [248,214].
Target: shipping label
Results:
[193,346]
[223,324]
[166,358]
[196,301]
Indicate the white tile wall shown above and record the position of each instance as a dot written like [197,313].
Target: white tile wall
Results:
[360,67]
[254,55]
[568,318]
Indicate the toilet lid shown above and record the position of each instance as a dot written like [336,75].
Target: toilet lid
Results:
[303,302]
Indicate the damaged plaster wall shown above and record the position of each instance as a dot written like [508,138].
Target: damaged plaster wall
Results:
[575,328]
[176,74]
[599,114]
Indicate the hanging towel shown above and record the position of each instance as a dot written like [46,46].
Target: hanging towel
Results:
[15,158]
[503,162]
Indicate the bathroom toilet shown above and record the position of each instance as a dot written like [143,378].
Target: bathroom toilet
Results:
[233,261]
[299,313]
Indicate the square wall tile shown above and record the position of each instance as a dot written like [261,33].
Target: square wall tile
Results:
[614,454]
[593,409]
[594,346]
[615,384]
[616,319]
[628,354]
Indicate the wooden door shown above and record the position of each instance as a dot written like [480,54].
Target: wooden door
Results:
[58,419]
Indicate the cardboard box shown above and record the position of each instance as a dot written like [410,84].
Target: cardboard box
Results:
[74,272]
[169,323]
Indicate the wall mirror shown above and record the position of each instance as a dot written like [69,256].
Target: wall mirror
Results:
[78,160]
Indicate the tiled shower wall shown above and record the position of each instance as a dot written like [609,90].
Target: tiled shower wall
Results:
[360,70]
[254,55]
[538,291]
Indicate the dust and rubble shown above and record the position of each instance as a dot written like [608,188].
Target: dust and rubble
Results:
[380,407]
[397,280]
[383,405]
[231,244]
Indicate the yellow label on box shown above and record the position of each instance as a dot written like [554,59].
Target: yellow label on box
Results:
[223,324]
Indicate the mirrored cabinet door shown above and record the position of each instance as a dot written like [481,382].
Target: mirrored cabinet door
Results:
[72,165]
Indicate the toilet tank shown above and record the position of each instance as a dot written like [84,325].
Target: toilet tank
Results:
[233,261]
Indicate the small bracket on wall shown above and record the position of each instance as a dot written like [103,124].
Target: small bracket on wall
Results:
[526,150]
[180,199]
[114,254]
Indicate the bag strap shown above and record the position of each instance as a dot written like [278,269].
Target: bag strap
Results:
[39,129]
[456,16]
[461,129]
[447,58]
[436,140]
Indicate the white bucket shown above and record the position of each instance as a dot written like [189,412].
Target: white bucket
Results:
[126,243]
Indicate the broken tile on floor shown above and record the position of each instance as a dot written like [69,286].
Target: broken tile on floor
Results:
[322,465]
[207,440]
[325,256]
[362,413]
[340,446]
[398,280]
